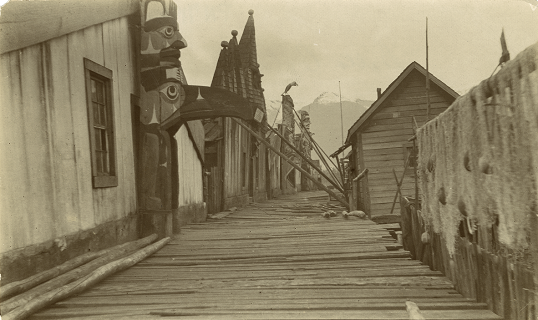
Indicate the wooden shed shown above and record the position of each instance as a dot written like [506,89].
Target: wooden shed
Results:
[379,138]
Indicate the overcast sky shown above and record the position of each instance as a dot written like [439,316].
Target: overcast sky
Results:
[364,44]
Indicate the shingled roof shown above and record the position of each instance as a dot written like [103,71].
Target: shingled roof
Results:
[237,67]
[25,23]
[251,68]
[370,111]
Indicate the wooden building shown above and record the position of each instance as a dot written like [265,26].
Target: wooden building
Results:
[379,138]
[101,139]
[236,162]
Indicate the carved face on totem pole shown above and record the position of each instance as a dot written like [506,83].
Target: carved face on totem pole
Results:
[161,72]
[161,94]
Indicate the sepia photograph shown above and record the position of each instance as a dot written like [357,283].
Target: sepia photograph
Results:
[277,159]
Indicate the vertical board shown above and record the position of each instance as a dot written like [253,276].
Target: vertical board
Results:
[66,218]
[77,89]
[37,160]
[189,170]
[14,195]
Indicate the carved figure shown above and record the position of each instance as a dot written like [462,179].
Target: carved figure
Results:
[161,94]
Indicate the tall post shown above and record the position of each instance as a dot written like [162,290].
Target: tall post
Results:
[427,76]
[341,114]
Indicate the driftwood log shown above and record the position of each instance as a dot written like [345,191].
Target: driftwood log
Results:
[20,286]
[80,285]
[75,274]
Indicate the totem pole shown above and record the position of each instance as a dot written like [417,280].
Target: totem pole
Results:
[161,94]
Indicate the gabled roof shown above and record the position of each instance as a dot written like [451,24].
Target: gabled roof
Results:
[370,111]
[25,23]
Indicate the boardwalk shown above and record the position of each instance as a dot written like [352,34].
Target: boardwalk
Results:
[275,260]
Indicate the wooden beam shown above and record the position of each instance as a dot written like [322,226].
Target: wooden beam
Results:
[307,160]
[361,175]
[398,183]
[316,182]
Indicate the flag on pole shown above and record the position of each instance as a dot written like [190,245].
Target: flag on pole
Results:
[505,54]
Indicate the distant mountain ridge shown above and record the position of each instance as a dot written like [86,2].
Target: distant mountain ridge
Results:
[325,117]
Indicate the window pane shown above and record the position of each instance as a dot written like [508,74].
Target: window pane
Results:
[102,111]
[105,162]
[95,110]
[99,161]
[100,91]
[104,140]
[97,138]
[94,90]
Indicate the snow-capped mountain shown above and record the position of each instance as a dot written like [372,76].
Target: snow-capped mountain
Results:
[326,118]
[329,97]
[272,107]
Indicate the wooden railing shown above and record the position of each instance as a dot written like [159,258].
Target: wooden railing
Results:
[478,269]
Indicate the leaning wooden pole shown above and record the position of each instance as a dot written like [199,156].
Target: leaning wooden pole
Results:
[114,253]
[316,182]
[310,162]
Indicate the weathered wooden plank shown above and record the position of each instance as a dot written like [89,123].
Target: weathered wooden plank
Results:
[278,267]
[34,124]
[77,90]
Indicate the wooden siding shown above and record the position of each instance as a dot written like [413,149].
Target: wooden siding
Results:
[381,141]
[46,188]
[236,142]
[274,166]
[189,169]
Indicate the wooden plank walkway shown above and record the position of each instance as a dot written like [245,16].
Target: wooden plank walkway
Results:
[274,260]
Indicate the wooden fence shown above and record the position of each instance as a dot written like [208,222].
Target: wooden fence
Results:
[478,173]
[505,285]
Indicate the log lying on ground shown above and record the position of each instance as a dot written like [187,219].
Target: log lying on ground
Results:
[75,274]
[89,280]
[17,287]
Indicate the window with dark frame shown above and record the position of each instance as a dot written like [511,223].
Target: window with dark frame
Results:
[101,124]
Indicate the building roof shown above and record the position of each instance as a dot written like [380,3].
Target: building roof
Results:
[370,111]
[25,23]
[247,45]
[238,69]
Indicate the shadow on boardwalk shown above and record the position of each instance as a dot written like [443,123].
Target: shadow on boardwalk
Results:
[274,260]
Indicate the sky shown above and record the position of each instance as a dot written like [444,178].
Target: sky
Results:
[363,44]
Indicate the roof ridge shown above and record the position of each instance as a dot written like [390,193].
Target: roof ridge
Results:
[391,87]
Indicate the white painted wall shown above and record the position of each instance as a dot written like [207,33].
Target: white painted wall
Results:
[45,170]
[189,170]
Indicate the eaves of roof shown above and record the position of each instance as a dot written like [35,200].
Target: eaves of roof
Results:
[370,111]
[26,23]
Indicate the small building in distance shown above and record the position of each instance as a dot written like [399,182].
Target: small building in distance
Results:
[379,138]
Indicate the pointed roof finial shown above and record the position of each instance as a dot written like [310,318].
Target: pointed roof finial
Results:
[250,12]
[224,44]
[235,33]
